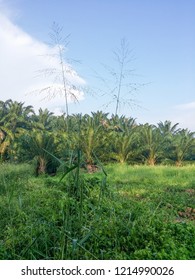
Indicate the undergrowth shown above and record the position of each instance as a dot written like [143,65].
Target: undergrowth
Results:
[119,212]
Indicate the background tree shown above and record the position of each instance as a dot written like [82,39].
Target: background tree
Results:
[168,131]
[15,119]
[26,136]
[123,138]
[151,143]
[183,145]
[43,120]
[38,146]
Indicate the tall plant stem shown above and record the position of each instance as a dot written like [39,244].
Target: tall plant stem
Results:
[64,83]
[119,86]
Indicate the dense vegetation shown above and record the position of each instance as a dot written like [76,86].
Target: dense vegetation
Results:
[26,136]
[131,207]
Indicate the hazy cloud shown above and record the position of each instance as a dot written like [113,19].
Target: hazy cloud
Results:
[21,59]
[186,106]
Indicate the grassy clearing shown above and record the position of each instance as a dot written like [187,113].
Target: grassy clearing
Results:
[139,213]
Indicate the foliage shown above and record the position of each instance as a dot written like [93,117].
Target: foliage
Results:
[115,138]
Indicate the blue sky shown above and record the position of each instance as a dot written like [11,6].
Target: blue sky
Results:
[161,35]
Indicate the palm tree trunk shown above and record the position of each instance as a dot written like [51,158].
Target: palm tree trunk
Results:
[151,161]
[178,163]
[41,166]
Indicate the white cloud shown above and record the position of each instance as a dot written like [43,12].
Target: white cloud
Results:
[21,56]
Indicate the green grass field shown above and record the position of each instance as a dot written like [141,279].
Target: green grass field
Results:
[136,212]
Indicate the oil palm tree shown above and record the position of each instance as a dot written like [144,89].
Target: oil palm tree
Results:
[15,118]
[43,120]
[38,145]
[123,146]
[167,129]
[183,143]
[123,138]
[90,138]
[6,139]
[151,143]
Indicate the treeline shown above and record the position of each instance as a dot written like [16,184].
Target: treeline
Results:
[27,136]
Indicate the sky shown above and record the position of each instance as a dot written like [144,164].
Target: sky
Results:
[161,38]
